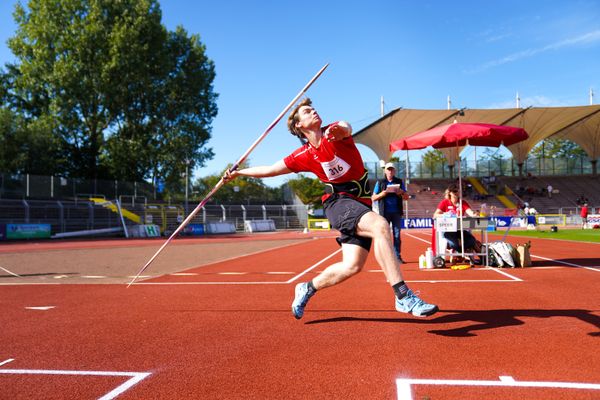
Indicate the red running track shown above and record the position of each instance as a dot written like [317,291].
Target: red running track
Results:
[222,334]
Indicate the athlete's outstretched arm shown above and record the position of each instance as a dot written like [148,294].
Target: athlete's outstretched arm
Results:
[279,168]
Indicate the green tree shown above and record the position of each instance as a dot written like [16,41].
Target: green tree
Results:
[557,148]
[309,190]
[495,160]
[27,146]
[242,190]
[433,159]
[127,98]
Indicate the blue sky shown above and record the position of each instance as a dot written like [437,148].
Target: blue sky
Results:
[413,53]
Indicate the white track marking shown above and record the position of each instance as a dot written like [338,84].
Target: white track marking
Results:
[213,263]
[418,238]
[135,377]
[7,361]
[314,266]
[12,273]
[404,385]
[595,269]
[514,278]
[40,308]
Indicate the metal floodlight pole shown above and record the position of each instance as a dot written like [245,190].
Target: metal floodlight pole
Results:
[233,168]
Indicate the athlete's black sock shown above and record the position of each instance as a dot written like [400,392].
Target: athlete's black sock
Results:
[311,287]
[400,289]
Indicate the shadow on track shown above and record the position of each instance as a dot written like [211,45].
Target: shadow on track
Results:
[480,320]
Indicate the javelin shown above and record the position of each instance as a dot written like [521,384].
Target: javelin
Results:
[233,168]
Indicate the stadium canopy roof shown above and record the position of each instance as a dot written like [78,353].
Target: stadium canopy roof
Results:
[579,124]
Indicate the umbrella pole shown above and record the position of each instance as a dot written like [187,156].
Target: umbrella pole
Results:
[460,208]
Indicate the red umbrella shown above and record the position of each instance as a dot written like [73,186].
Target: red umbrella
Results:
[461,134]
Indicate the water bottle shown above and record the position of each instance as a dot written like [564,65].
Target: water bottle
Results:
[422,261]
[429,257]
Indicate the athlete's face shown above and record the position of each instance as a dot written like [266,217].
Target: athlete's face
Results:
[308,118]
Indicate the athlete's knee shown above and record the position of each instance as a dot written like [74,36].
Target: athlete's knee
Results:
[380,227]
[353,267]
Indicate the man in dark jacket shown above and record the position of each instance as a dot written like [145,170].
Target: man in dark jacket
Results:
[390,192]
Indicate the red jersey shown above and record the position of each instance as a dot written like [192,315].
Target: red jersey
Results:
[584,212]
[331,162]
[446,205]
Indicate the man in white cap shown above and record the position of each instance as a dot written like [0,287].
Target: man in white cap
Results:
[390,193]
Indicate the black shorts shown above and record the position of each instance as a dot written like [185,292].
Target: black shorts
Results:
[343,213]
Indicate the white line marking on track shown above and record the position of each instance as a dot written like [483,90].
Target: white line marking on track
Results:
[279,273]
[514,278]
[404,385]
[7,361]
[418,238]
[12,273]
[40,308]
[135,377]
[595,269]
[313,266]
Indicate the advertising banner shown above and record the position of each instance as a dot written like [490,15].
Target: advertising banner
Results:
[194,229]
[515,222]
[27,231]
[417,223]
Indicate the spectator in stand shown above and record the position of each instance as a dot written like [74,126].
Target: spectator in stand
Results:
[584,215]
[581,200]
[550,189]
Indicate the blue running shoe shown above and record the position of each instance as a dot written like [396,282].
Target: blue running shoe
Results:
[412,304]
[303,294]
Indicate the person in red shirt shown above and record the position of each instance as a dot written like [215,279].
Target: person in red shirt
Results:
[330,153]
[584,215]
[450,204]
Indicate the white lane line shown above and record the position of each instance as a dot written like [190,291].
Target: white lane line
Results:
[514,278]
[11,273]
[418,238]
[595,269]
[40,308]
[7,361]
[313,266]
[403,386]
[135,377]
[280,273]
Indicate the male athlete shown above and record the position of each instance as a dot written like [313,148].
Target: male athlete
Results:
[330,153]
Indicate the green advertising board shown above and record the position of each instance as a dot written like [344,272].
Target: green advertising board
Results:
[27,231]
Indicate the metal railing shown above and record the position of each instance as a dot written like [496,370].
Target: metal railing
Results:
[81,215]
[481,168]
